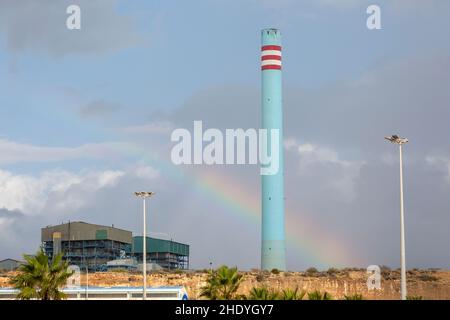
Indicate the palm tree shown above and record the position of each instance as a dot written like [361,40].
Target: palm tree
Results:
[262,293]
[317,295]
[41,278]
[289,294]
[222,284]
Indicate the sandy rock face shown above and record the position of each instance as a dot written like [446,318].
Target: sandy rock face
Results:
[425,283]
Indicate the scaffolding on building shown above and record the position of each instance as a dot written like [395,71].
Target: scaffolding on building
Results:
[86,245]
[168,254]
[92,246]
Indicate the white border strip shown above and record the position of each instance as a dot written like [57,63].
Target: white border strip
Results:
[271,62]
[271,53]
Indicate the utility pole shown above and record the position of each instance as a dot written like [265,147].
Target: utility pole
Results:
[401,141]
[144,195]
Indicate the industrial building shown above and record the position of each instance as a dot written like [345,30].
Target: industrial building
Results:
[123,264]
[9,264]
[86,245]
[101,248]
[166,253]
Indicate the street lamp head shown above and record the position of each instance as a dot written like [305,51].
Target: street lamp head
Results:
[396,139]
[144,194]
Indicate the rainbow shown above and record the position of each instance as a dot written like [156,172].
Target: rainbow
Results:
[302,235]
[310,243]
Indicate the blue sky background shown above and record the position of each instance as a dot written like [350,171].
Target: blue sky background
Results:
[71,100]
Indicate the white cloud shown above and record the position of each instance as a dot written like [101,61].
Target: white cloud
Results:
[340,175]
[31,194]
[30,201]
[159,127]
[389,158]
[12,152]
[441,163]
[306,148]
[290,143]
[311,154]
[145,172]
[107,178]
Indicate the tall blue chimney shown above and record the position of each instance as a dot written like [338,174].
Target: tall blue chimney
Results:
[273,249]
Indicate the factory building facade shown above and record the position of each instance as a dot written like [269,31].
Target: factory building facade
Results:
[166,253]
[86,245]
[101,248]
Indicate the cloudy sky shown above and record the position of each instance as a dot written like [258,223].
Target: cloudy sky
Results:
[86,117]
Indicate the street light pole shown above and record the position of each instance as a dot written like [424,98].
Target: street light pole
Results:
[144,252]
[144,196]
[401,141]
[402,229]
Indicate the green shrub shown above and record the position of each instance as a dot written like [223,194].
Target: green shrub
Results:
[260,277]
[414,298]
[427,277]
[355,296]
[289,294]
[202,271]
[317,295]
[262,293]
[385,272]
[275,271]
[332,271]
[311,271]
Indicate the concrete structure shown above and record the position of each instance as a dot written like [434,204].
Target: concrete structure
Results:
[273,250]
[166,253]
[111,293]
[149,267]
[86,244]
[9,264]
[126,264]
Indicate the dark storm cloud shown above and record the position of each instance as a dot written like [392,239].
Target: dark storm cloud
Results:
[341,175]
[350,185]
[346,184]
[10,214]
[17,233]
[409,97]
[40,26]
